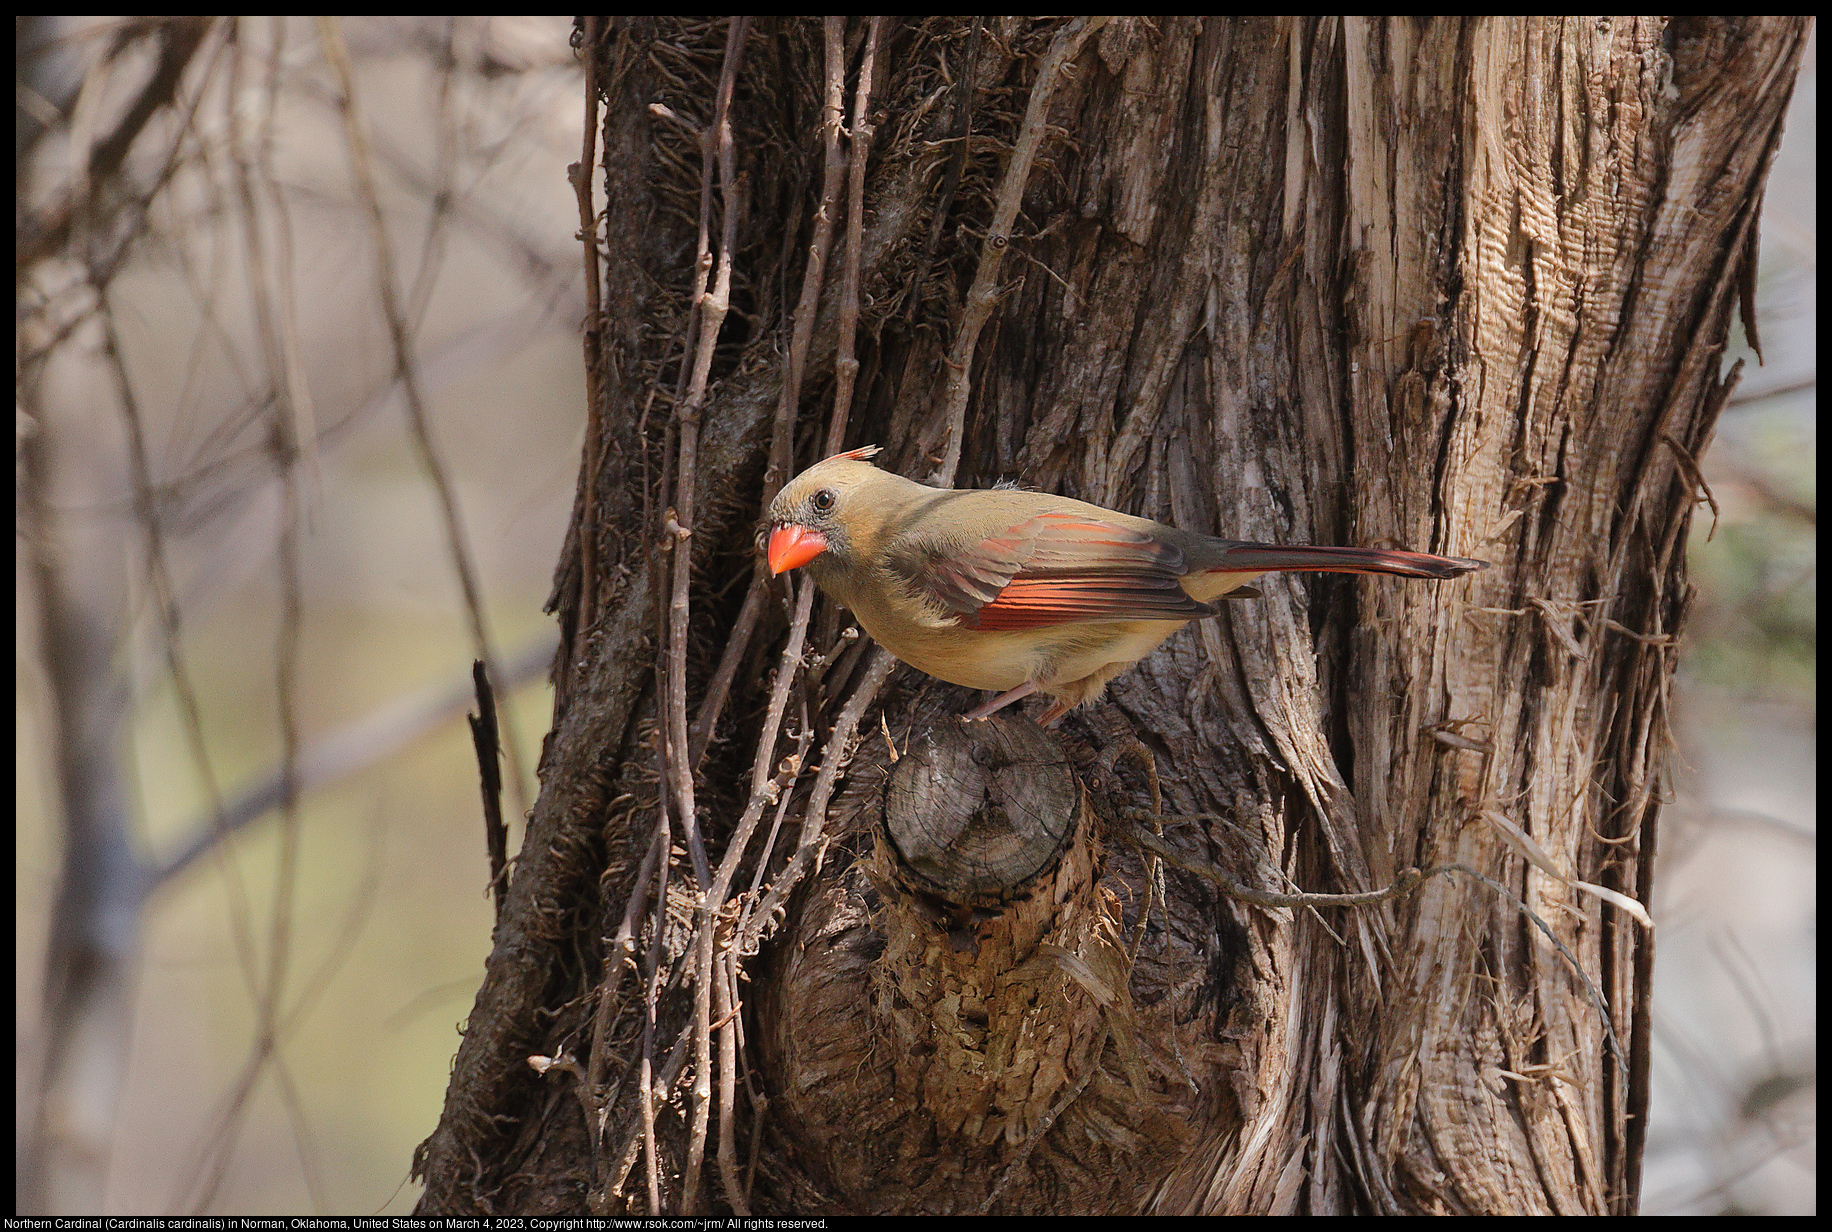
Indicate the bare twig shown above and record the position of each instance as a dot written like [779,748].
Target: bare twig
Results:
[1756,393]
[100,874]
[159,577]
[711,950]
[984,292]
[715,302]
[1406,882]
[490,781]
[846,364]
[593,332]
[1696,478]
[725,1004]
[620,954]
[718,689]
[712,301]
[794,763]
[408,373]
[345,752]
[41,234]
[960,128]
[275,322]
[663,1079]
[166,602]
[283,435]
[439,198]
[652,996]
[814,819]
[806,308]
[788,401]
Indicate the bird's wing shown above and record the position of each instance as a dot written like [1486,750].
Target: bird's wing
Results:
[1055,568]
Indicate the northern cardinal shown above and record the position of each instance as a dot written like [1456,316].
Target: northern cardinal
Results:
[1023,592]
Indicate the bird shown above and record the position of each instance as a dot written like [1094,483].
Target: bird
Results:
[1023,592]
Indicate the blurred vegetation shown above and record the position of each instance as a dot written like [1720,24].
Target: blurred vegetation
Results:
[1733,1123]
[1754,631]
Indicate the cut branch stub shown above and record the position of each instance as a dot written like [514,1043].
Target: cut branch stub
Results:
[975,814]
[996,1063]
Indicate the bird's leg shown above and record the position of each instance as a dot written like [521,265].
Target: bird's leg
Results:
[1001,701]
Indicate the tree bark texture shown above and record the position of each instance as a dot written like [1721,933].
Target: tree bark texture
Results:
[1457,285]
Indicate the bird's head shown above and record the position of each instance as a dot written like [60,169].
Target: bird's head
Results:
[817,513]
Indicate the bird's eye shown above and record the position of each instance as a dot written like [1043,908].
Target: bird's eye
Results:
[823,500]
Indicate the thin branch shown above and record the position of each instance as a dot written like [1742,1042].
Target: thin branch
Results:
[1406,882]
[801,336]
[301,410]
[663,1079]
[712,302]
[580,173]
[283,434]
[725,1004]
[620,954]
[1695,478]
[652,995]
[718,689]
[166,603]
[408,373]
[788,401]
[148,512]
[1758,393]
[707,930]
[46,232]
[714,305]
[286,872]
[348,751]
[846,364]
[792,765]
[984,292]
[439,199]
[100,871]
[814,819]
[490,782]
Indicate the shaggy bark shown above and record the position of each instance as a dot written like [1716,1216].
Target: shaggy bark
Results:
[1455,285]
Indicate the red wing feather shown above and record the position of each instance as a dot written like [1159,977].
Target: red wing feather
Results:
[1034,603]
[1060,568]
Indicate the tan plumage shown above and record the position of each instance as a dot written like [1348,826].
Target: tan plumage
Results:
[1023,591]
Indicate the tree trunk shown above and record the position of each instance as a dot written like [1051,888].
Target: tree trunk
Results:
[1460,286]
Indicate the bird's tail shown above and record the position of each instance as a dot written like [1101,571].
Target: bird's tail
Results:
[1272,558]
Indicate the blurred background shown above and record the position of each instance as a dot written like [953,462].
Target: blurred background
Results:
[1733,1125]
[236,554]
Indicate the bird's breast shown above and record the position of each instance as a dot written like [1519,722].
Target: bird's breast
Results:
[1005,659]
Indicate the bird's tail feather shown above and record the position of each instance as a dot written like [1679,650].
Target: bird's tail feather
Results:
[1271,558]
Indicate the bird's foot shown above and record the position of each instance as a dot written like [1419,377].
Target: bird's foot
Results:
[1001,701]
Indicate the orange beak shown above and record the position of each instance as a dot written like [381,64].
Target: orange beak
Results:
[794,546]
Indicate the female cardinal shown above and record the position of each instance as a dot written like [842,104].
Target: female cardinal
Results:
[1023,592]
